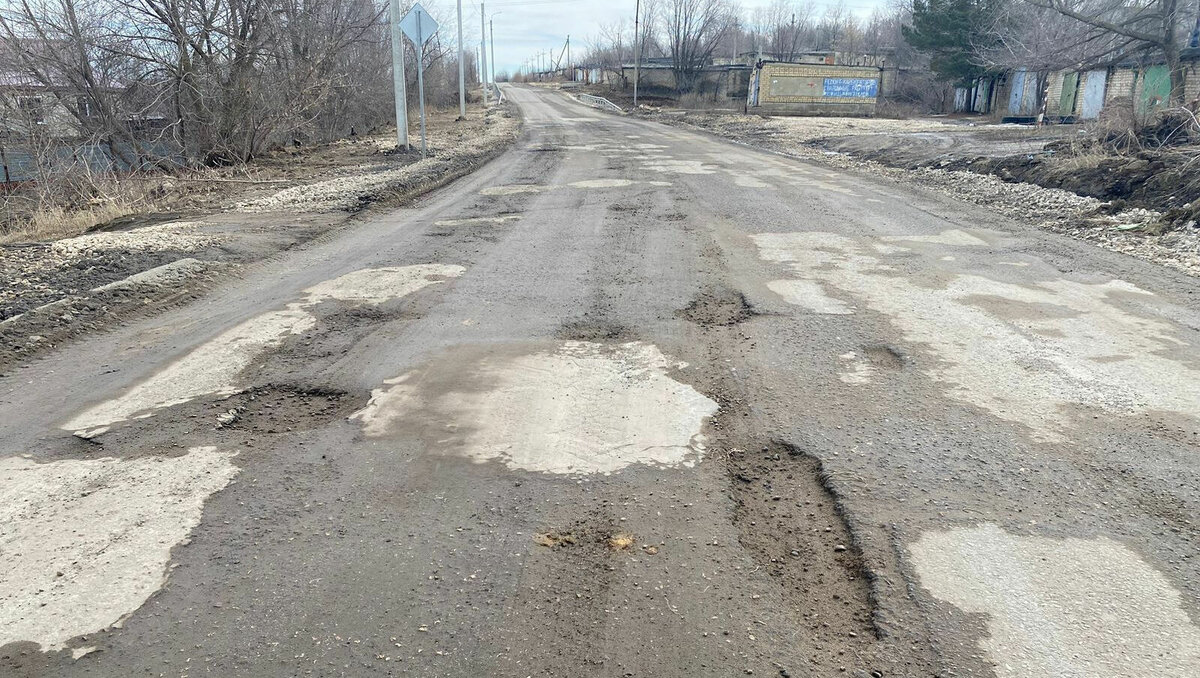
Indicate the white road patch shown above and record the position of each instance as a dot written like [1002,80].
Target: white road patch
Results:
[809,295]
[954,237]
[84,543]
[515,189]
[576,408]
[746,180]
[213,367]
[601,183]
[1061,608]
[679,167]
[1027,353]
[381,285]
[471,221]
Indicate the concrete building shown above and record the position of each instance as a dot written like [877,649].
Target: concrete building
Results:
[721,82]
[814,89]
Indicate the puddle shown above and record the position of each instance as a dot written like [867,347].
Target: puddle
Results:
[87,542]
[212,368]
[1061,607]
[573,408]
[808,295]
[472,221]
[1026,353]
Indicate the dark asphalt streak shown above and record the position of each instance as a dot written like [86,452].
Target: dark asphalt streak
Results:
[790,549]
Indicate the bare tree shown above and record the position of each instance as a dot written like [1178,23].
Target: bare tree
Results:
[692,30]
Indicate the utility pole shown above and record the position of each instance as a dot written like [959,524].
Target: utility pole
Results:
[637,50]
[492,37]
[482,51]
[569,69]
[462,76]
[398,78]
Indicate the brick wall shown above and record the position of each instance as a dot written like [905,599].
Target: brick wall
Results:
[1054,88]
[1120,84]
[1192,88]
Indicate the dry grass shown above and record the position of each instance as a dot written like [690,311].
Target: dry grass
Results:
[56,222]
[1078,160]
[64,209]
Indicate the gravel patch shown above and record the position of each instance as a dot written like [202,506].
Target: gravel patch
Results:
[451,148]
[181,236]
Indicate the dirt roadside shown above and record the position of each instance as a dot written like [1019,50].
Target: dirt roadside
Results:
[208,229]
[975,163]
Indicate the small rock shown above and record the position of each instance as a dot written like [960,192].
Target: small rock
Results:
[839,547]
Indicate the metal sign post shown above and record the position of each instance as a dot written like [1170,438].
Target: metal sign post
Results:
[419,27]
[398,78]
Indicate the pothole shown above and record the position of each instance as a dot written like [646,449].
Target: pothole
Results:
[718,307]
[575,407]
[791,524]
[598,330]
[213,368]
[884,357]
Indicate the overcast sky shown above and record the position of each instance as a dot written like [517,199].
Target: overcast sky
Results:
[525,27]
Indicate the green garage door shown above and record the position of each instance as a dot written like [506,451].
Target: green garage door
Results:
[1156,89]
[1066,102]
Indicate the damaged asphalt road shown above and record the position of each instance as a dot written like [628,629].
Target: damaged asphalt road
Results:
[627,401]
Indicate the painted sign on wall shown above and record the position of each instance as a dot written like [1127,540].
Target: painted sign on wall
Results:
[851,88]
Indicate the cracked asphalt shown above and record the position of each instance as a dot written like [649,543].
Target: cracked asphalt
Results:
[627,401]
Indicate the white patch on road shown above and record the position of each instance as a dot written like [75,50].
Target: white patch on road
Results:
[601,183]
[84,543]
[746,180]
[472,221]
[953,237]
[1061,608]
[380,285]
[213,367]
[515,189]
[1027,353]
[809,295]
[577,408]
[679,167]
